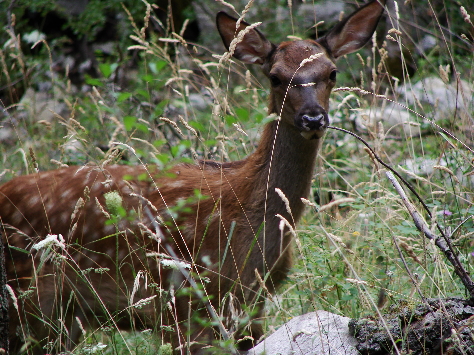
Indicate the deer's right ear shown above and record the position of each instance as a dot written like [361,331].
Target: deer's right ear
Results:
[254,48]
[355,31]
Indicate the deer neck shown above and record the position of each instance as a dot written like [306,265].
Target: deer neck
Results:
[284,160]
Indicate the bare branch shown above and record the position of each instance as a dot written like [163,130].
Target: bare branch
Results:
[440,241]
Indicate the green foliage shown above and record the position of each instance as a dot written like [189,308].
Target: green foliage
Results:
[87,23]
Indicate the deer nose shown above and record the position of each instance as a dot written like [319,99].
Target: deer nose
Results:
[314,122]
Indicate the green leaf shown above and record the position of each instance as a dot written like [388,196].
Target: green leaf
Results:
[148,78]
[268,119]
[177,150]
[19,249]
[107,69]
[163,158]
[159,109]
[242,114]
[259,117]
[123,96]
[197,125]
[93,81]
[143,177]
[159,142]
[156,67]
[129,122]
[230,119]
[144,93]
[142,127]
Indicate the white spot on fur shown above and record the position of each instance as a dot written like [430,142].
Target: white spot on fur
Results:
[90,178]
[212,218]
[110,229]
[122,254]
[33,201]
[188,232]
[18,189]
[67,194]
[65,217]
[176,184]
[47,174]
[17,218]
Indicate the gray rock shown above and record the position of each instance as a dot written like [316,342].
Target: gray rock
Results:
[395,119]
[316,333]
[42,106]
[327,11]
[443,98]
[440,100]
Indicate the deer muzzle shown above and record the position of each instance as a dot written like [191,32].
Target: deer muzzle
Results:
[312,125]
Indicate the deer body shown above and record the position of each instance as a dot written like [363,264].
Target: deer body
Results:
[227,232]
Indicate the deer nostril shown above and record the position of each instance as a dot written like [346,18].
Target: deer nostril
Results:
[314,122]
[319,117]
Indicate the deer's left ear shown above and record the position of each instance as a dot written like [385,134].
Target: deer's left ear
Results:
[252,49]
[355,31]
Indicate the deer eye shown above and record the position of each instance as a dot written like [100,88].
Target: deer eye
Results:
[333,75]
[275,80]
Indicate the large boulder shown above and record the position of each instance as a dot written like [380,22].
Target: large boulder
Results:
[316,333]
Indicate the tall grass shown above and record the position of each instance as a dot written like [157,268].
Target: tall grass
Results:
[357,249]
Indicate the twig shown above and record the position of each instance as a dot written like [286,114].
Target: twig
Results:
[407,184]
[440,241]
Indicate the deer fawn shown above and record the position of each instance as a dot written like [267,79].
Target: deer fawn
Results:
[223,221]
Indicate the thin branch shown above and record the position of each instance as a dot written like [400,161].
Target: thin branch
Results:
[440,241]
[407,184]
